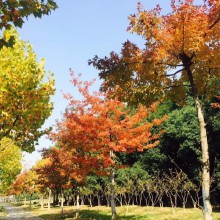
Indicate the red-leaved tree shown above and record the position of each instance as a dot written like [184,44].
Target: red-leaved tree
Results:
[95,128]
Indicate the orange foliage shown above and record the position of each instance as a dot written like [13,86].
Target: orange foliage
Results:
[25,182]
[52,170]
[182,49]
[95,126]
[216,104]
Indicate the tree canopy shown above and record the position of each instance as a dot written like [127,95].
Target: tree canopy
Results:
[95,126]
[188,37]
[25,91]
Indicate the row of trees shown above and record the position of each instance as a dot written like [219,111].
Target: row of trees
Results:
[80,167]
[25,91]
[93,131]
[25,88]
[178,66]
[181,51]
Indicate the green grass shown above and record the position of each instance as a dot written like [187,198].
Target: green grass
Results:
[134,213]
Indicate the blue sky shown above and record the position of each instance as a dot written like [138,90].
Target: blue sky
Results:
[73,34]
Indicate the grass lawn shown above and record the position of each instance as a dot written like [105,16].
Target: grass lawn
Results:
[134,213]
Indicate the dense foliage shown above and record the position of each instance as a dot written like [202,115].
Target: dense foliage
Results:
[25,92]
[10,163]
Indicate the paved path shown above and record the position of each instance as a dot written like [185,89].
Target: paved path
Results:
[17,213]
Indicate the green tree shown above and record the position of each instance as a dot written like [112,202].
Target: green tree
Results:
[10,163]
[25,91]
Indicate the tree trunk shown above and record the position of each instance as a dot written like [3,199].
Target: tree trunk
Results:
[90,200]
[82,200]
[77,203]
[99,200]
[30,200]
[114,216]
[62,200]
[42,201]
[107,201]
[49,196]
[207,208]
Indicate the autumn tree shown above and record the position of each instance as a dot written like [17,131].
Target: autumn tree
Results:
[182,51]
[10,163]
[25,91]
[94,129]
[14,13]
[26,182]
[53,172]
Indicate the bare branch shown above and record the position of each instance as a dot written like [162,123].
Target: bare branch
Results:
[176,86]
[173,74]
[171,65]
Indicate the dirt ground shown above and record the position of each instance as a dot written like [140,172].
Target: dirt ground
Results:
[17,213]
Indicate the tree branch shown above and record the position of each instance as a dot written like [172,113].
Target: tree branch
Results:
[173,74]
[211,26]
[176,86]
[7,132]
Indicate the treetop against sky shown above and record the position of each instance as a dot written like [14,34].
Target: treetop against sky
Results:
[73,34]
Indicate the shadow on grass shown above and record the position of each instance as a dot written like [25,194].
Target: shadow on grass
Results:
[100,216]
[216,209]
[85,215]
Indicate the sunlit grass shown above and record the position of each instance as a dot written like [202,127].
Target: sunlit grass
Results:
[133,213]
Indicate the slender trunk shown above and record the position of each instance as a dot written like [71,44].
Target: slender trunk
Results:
[140,198]
[175,200]
[42,201]
[113,195]
[68,201]
[82,200]
[107,201]
[114,216]
[62,200]
[30,200]
[49,196]
[77,203]
[90,200]
[99,200]
[207,208]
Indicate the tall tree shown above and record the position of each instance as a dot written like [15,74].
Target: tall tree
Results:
[25,91]
[52,171]
[182,50]
[95,128]
[14,13]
